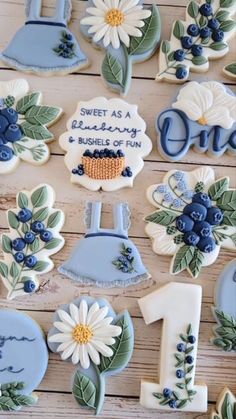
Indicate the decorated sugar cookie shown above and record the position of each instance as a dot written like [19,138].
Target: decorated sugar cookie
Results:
[225,309]
[23,360]
[203,36]
[98,342]
[226,406]
[34,236]
[44,45]
[195,217]
[179,305]
[203,117]
[230,71]
[105,144]
[24,124]
[106,257]
[128,31]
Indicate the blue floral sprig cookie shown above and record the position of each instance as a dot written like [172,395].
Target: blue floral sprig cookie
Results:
[97,341]
[195,217]
[34,236]
[24,125]
[128,31]
[203,36]
[45,45]
[22,343]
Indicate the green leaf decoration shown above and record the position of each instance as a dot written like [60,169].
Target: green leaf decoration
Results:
[226,333]
[218,46]
[3,269]
[36,132]
[193,9]
[6,244]
[54,219]
[216,189]
[42,115]
[122,348]
[34,247]
[229,218]
[22,200]
[227,3]
[182,404]
[164,217]
[12,400]
[227,201]
[52,244]
[84,390]
[158,395]
[199,60]
[231,68]
[41,214]
[150,34]
[41,266]
[233,238]
[222,15]
[165,47]
[203,21]
[196,263]
[178,30]
[12,220]
[227,409]
[15,270]
[27,101]
[227,25]
[183,258]
[39,197]
[112,70]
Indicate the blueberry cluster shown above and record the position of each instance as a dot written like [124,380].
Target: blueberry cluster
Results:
[66,47]
[197,221]
[10,132]
[37,228]
[210,30]
[105,153]
[125,262]
[127,172]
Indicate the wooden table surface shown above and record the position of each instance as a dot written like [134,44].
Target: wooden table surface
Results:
[214,367]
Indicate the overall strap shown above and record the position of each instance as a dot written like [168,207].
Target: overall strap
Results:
[93,217]
[62,13]
[121,218]
[33,9]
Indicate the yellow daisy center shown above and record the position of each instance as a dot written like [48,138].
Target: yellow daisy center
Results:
[82,333]
[202,120]
[114,17]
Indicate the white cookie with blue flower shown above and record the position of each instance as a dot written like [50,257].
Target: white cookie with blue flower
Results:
[193,220]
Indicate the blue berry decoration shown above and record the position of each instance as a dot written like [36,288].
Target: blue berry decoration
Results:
[46,236]
[203,229]
[206,9]
[37,226]
[180,373]
[24,215]
[13,133]
[30,261]
[29,286]
[29,237]
[193,30]
[196,50]
[205,32]
[218,36]
[167,393]
[19,257]
[189,359]
[186,42]
[181,347]
[10,114]
[179,55]
[213,23]
[206,244]
[191,339]
[214,216]
[191,238]
[18,244]
[3,123]
[196,211]
[181,73]
[125,262]
[202,198]
[184,223]
[173,404]
[6,153]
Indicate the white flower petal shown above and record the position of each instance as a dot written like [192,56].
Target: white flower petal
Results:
[108,3]
[64,316]
[93,309]
[93,353]
[108,331]
[123,36]
[131,30]
[74,312]
[135,23]
[115,41]
[100,33]
[17,88]
[68,351]
[102,348]
[197,99]
[60,337]
[64,345]
[75,356]
[105,322]
[84,358]
[139,14]
[163,244]
[221,97]
[107,38]
[63,327]
[98,316]
[95,11]
[218,115]
[83,311]
[106,340]
[92,20]
[205,175]
[128,4]
[191,109]
[100,5]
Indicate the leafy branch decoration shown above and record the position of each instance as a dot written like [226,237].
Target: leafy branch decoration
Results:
[226,406]
[11,398]
[225,333]
[34,236]
[204,35]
